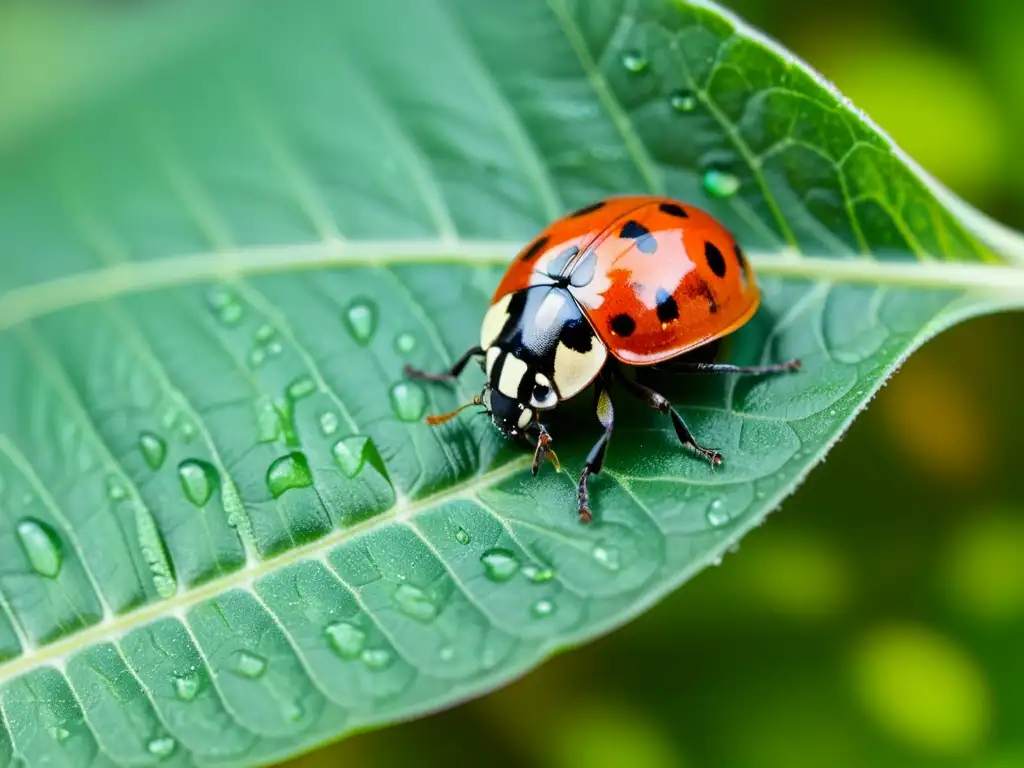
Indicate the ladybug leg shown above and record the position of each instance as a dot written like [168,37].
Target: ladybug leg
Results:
[448,375]
[543,449]
[595,459]
[685,367]
[660,403]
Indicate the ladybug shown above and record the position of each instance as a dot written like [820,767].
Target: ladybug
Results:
[624,281]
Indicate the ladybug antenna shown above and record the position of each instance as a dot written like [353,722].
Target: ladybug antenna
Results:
[442,418]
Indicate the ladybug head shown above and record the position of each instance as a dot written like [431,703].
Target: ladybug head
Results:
[515,393]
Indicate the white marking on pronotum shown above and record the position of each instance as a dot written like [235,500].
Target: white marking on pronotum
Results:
[575,370]
[494,321]
[512,372]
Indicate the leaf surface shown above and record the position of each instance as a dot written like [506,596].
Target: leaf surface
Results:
[226,534]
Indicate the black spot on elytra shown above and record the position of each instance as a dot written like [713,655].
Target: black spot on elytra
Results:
[535,248]
[673,210]
[623,325]
[715,259]
[641,235]
[587,209]
[667,308]
[577,335]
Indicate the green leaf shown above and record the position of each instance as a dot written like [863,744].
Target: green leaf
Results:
[226,533]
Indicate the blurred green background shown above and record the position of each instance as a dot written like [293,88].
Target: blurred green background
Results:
[877,619]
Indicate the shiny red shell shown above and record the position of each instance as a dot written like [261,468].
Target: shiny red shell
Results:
[654,276]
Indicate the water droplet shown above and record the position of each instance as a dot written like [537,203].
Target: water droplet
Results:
[328,423]
[188,431]
[274,348]
[41,546]
[607,556]
[350,454]
[462,536]
[720,183]
[257,357]
[542,608]
[408,400]
[634,61]
[59,733]
[198,479]
[447,653]
[499,564]
[301,387]
[683,101]
[154,552]
[153,449]
[405,343]
[269,421]
[115,491]
[250,665]
[361,319]
[288,472]
[415,603]
[346,639]
[538,575]
[377,658]
[230,314]
[186,687]
[161,747]
[169,419]
[265,333]
[717,516]
[293,711]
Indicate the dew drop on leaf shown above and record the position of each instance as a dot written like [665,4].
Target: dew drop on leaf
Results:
[59,733]
[186,687]
[377,658]
[405,343]
[257,357]
[293,711]
[161,747]
[716,515]
[499,564]
[542,608]
[415,603]
[350,454]
[154,552]
[606,556]
[361,320]
[198,480]
[447,653]
[115,491]
[408,400]
[462,536]
[720,183]
[41,546]
[328,423]
[683,101]
[250,665]
[346,640]
[274,348]
[301,387]
[153,449]
[634,61]
[288,472]
[264,333]
[538,575]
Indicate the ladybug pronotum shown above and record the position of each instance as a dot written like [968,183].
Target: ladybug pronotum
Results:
[625,281]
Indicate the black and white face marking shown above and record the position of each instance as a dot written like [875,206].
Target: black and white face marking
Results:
[539,350]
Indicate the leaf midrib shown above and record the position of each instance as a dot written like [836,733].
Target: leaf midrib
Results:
[178,605]
[126,278]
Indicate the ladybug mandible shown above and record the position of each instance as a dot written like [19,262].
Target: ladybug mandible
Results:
[625,281]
